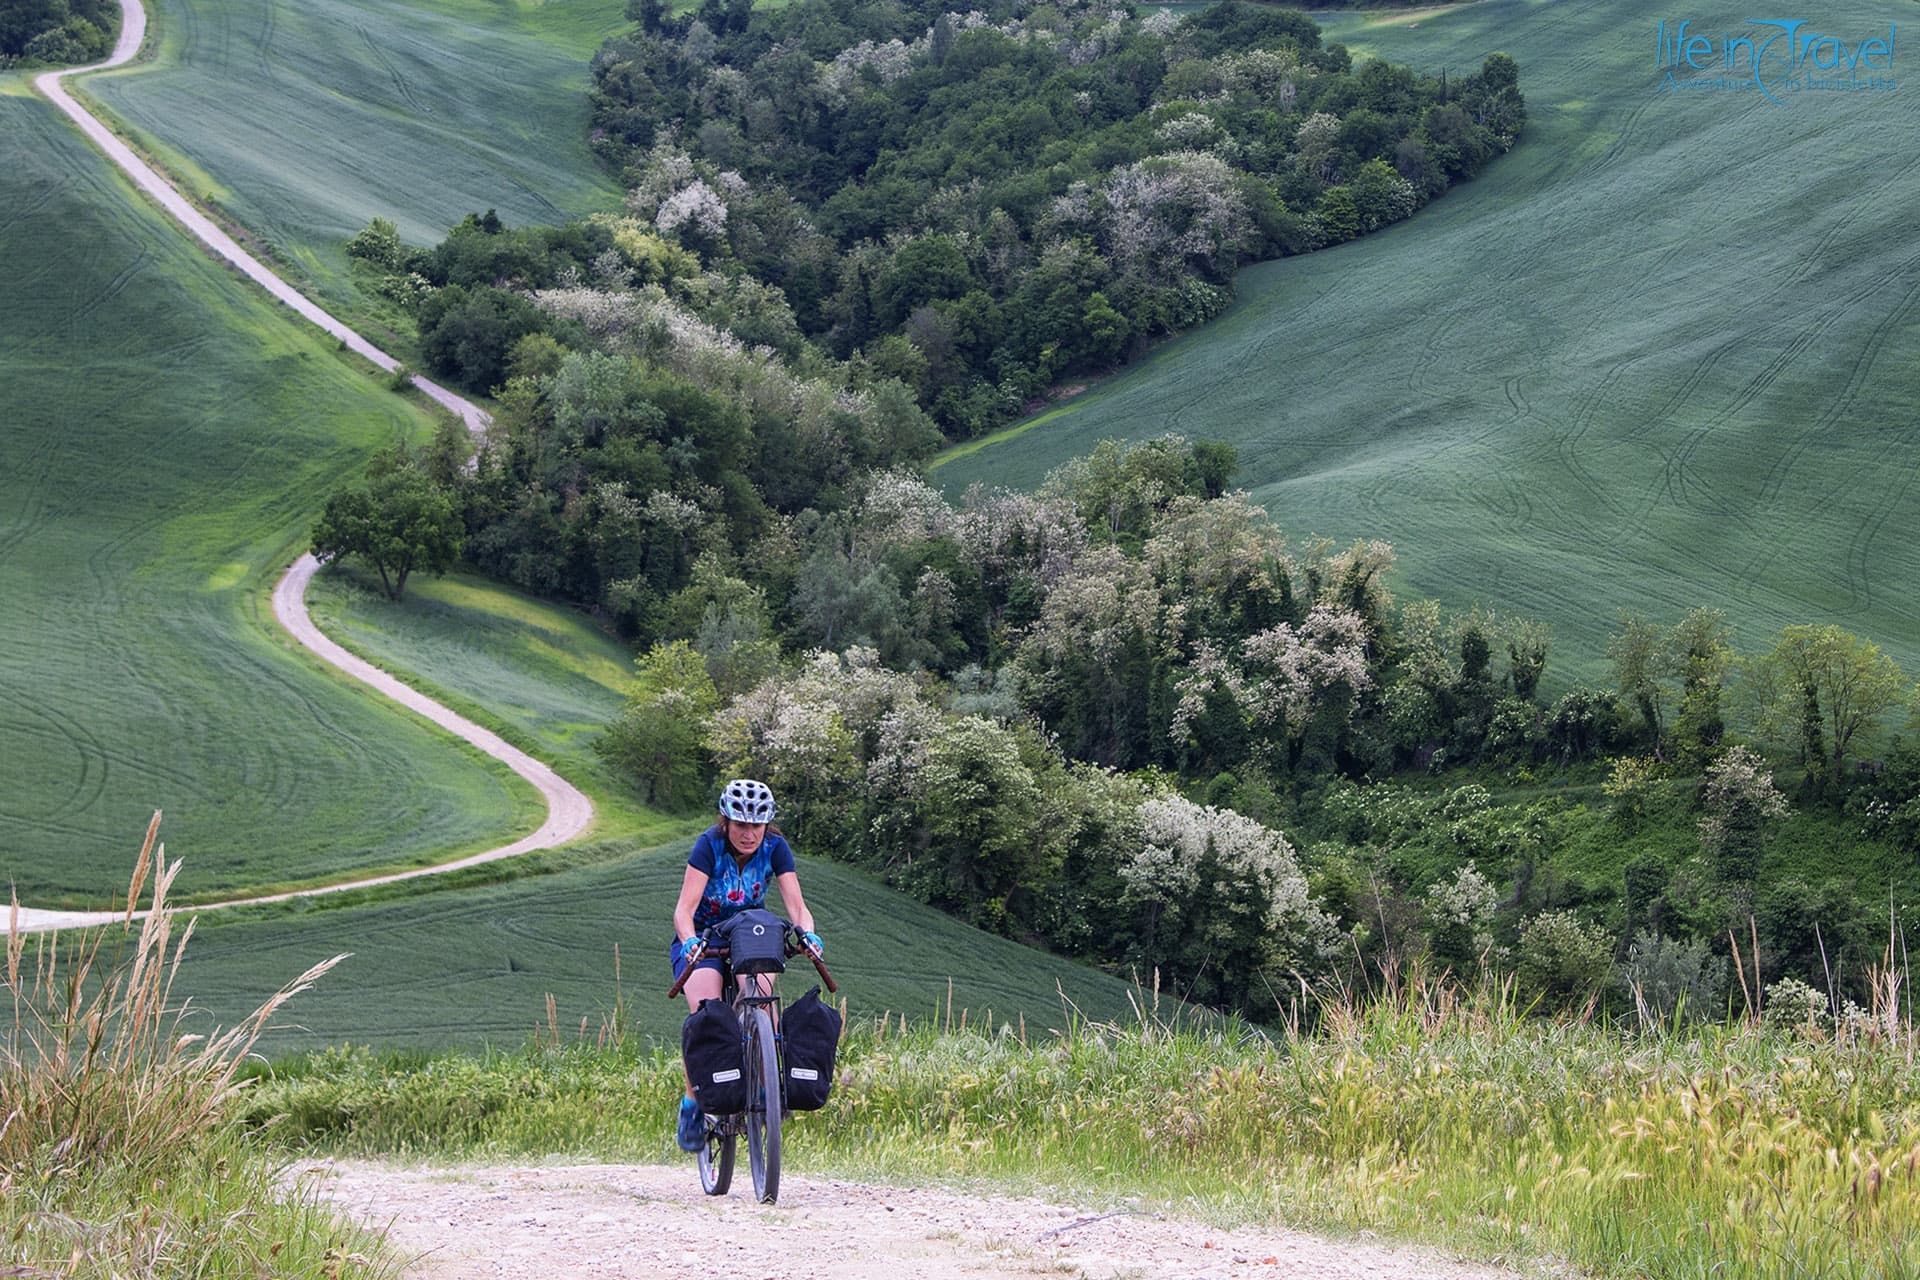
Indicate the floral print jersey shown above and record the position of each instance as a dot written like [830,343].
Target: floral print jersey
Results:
[731,887]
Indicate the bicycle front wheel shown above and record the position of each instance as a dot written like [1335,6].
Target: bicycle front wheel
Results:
[763,1106]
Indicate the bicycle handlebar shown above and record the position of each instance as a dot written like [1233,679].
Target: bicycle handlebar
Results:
[720,953]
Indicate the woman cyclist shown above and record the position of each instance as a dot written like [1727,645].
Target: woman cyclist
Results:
[731,865]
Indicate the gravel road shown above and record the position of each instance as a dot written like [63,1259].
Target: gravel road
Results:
[568,810]
[639,1222]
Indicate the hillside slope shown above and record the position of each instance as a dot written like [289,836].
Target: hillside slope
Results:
[475,966]
[168,437]
[306,121]
[1654,358]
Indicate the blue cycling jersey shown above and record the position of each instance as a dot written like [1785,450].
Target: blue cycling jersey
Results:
[731,887]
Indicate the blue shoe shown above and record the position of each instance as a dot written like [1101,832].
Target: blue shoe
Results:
[692,1132]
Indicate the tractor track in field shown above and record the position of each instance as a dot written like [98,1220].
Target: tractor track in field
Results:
[568,810]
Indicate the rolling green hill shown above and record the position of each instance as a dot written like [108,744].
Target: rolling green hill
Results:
[538,673]
[476,965]
[1657,357]
[168,436]
[305,121]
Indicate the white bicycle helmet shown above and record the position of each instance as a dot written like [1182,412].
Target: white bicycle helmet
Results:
[745,800]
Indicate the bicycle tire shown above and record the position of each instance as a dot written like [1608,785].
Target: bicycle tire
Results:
[763,1105]
[716,1159]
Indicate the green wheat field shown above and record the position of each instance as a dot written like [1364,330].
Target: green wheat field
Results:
[168,438]
[1656,358]
[306,121]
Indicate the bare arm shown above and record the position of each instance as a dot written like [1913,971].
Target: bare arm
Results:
[797,912]
[691,887]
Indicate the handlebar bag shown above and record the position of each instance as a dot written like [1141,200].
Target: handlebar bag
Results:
[812,1032]
[758,941]
[712,1045]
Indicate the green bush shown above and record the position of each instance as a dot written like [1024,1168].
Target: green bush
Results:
[1562,962]
[1667,978]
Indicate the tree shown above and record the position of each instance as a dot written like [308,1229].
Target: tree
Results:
[648,13]
[981,808]
[841,599]
[379,244]
[466,333]
[1562,961]
[1220,899]
[1214,462]
[1835,684]
[660,738]
[1741,805]
[1702,651]
[1527,645]
[401,521]
[1669,978]
[1639,654]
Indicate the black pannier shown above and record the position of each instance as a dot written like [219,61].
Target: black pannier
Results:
[812,1032]
[758,941]
[710,1042]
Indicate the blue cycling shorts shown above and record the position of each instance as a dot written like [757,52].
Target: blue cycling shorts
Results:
[679,963]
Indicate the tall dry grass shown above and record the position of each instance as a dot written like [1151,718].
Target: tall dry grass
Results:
[114,1157]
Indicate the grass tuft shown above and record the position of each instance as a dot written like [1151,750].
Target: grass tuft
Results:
[115,1158]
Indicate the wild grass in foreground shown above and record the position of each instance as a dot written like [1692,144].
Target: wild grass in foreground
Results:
[1431,1114]
[115,1157]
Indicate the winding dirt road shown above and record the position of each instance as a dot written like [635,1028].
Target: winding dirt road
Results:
[568,810]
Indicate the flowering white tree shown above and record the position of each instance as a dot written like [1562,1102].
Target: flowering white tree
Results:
[886,62]
[696,206]
[1742,805]
[1194,131]
[1314,142]
[666,170]
[1004,532]
[1224,897]
[1459,916]
[1298,672]
[1091,611]
[900,509]
[802,733]
[1221,564]
[1160,23]
[1168,213]
[1263,72]
[1285,681]
[606,316]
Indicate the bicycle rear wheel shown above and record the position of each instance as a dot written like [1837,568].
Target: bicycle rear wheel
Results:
[763,1105]
[716,1159]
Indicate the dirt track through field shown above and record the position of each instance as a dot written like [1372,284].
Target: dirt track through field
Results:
[637,1222]
[569,812]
